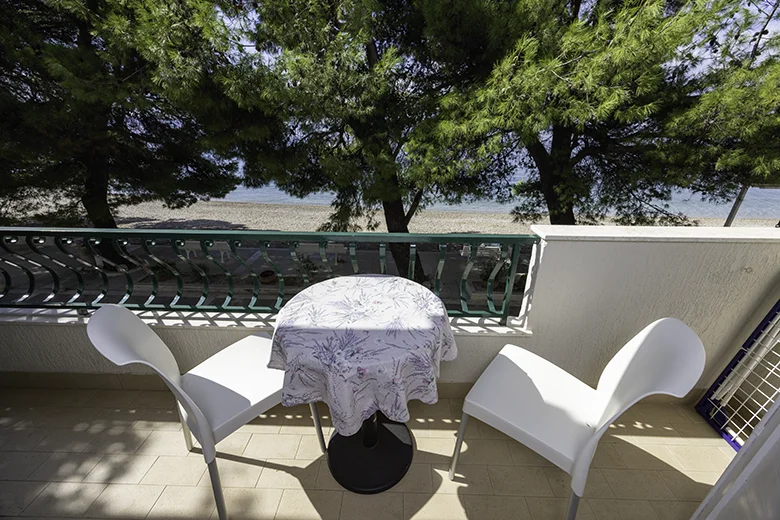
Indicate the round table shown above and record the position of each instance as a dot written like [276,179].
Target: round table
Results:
[365,345]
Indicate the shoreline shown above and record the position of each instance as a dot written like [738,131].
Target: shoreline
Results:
[302,217]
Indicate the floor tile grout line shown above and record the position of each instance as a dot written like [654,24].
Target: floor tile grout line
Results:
[26,477]
[89,403]
[155,501]
[317,474]
[35,498]
[105,486]
[649,420]
[148,470]
[490,480]
[262,468]
[102,456]
[341,504]
[298,448]
[676,459]
[278,504]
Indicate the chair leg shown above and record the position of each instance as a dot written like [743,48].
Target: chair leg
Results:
[185,430]
[216,486]
[461,432]
[315,415]
[574,502]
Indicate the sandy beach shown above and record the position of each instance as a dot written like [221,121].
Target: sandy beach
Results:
[281,217]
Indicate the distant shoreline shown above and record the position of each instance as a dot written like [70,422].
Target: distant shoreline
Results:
[301,217]
[759,203]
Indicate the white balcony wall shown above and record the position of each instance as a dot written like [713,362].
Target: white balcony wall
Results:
[591,289]
[595,287]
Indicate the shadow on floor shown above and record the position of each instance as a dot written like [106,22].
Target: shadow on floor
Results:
[86,460]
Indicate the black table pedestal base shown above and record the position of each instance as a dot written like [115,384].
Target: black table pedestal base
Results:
[374,459]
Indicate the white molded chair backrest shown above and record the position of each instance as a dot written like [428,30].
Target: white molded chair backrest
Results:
[666,357]
[123,338]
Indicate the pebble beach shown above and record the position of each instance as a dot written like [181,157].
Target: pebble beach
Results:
[300,217]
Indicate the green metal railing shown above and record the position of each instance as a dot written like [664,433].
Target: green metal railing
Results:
[249,271]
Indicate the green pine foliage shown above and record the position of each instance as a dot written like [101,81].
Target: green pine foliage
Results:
[730,132]
[361,85]
[85,125]
[606,106]
[587,91]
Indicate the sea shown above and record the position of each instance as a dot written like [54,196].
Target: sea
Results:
[759,203]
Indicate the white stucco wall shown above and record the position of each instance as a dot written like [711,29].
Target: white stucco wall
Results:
[591,289]
[57,341]
[595,287]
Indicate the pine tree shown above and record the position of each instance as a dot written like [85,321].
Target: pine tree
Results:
[587,91]
[360,84]
[730,132]
[85,121]
[609,105]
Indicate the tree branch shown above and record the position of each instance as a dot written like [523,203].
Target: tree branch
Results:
[333,12]
[415,204]
[769,17]
[397,150]
[537,150]
[372,53]
[575,9]
[603,150]
[583,153]
[654,207]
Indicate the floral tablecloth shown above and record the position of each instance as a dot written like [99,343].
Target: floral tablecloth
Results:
[362,344]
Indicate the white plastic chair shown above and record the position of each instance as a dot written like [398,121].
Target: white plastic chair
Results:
[560,417]
[215,398]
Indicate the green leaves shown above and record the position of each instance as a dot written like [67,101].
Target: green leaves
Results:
[591,93]
[364,86]
[93,119]
[733,119]
[604,106]
[597,69]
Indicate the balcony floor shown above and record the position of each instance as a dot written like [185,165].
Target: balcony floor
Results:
[120,454]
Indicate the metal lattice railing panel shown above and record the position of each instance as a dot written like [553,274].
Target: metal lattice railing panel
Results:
[257,271]
[749,386]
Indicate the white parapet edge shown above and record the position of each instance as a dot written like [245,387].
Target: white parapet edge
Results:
[657,233]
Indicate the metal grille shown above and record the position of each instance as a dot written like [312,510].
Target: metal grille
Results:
[250,271]
[744,392]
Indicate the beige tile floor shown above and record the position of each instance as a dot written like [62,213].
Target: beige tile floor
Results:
[120,454]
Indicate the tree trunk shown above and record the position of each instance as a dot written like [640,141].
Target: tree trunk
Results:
[395,218]
[555,170]
[95,194]
[561,211]
[392,202]
[95,199]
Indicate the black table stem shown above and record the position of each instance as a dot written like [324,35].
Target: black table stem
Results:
[370,431]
